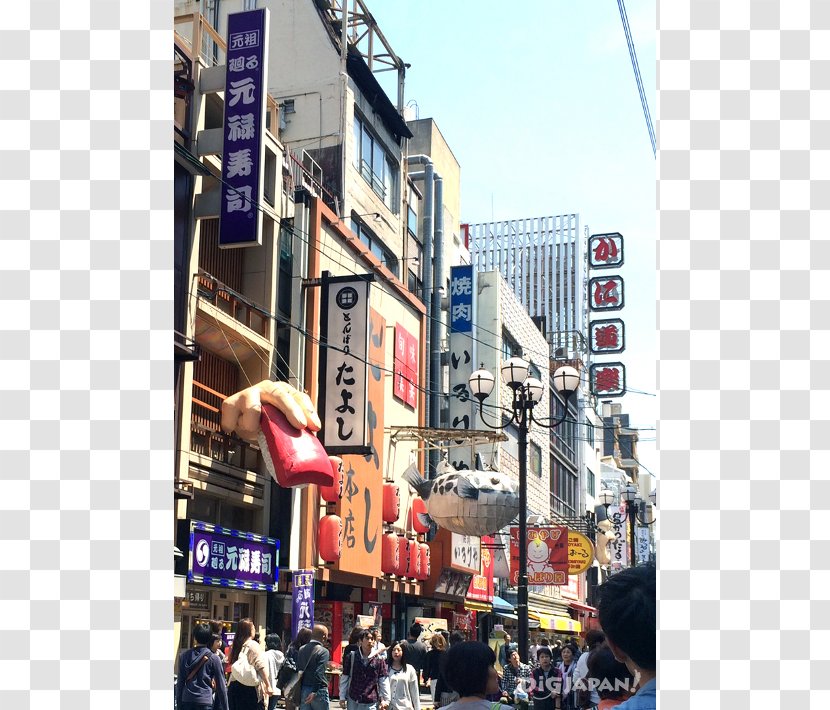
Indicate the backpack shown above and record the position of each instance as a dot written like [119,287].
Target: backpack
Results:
[288,670]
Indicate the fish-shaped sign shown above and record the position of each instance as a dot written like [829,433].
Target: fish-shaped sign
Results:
[467,502]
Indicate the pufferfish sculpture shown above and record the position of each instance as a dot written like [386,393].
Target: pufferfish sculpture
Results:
[466,502]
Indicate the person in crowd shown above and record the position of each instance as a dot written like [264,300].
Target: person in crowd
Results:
[515,673]
[364,684]
[354,637]
[610,679]
[416,651]
[628,615]
[505,649]
[566,669]
[469,669]
[432,668]
[200,670]
[312,660]
[404,692]
[274,658]
[556,652]
[378,647]
[545,680]
[534,650]
[593,640]
[293,652]
[457,636]
[248,697]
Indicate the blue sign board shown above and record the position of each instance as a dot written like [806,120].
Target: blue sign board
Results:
[461,299]
[243,153]
[302,600]
[223,557]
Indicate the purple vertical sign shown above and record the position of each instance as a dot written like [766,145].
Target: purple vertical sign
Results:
[243,152]
[302,601]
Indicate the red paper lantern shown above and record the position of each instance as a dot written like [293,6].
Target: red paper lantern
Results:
[404,551]
[414,561]
[424,555]
[391,502]
[333,493]
[418,506]
[329,537]
[389,558]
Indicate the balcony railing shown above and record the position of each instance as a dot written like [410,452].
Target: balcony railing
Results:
[234,304]
[193,30]
[208,439]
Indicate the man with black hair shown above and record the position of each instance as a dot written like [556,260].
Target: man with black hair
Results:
[199,671]
[628,616]
[364,684]
[416,651]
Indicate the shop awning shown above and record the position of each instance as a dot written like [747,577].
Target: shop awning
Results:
[501,606]
[531,622]
[552,622]
[483,607]
[583,607]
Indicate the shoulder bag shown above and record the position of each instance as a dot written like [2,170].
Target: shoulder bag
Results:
[242,670]
[294,689]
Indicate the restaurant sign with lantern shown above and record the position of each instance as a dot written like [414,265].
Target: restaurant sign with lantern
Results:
[606,293]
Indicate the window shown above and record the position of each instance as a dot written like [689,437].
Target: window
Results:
[376,167]
[412,221]
[535,458]
[592,484]
[376,246]
[589,433]
[564,488]
[534,371]
[414,282]
[509,346]
[249,5]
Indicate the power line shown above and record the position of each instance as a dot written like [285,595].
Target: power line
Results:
[639,79]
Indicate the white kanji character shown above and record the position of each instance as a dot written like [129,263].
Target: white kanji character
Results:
[461,311]
[240,163]
[242,89]
[462,286]
[244,559]
[237,202]
[266,563]
[252,62]
[256,561]
[241,127]
[236,64]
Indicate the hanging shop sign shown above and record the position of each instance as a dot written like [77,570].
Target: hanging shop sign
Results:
[481,585]
[197,600]
[465,553]
[302,600]
[405,386]
[547,555]
[605,251]
[453,583]
[343,363]
[618,547]
[243,151]
[221,557]
[607,336]
[606,293]
[608,379]
[643,543]
[361,507]
[580,552]
[461,358]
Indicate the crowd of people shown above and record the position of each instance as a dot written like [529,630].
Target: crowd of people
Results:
[616,667]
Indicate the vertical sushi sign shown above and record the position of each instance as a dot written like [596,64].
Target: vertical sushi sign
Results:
[243,152]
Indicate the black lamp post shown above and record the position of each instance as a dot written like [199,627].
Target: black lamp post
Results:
[527,392]
[631,496]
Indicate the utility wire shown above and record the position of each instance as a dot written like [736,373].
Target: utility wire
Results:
[639,79]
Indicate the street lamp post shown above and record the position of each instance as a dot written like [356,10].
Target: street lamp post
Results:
[631,496]
[527,392]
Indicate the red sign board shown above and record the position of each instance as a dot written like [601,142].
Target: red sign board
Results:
[547,555]
[607,336]
[406,367]
[608,379]
[481,585]
[605,251]
[606,293]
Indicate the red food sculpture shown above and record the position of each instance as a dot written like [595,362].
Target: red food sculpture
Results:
[294,457]
[329,537]
[391,502]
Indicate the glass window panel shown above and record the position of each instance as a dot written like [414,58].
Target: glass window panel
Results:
[357,142]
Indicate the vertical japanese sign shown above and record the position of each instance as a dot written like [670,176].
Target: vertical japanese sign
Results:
[462,364]
[606,293]
[360,508]
[243,152]
[547,555]
[618,548]
[343,363]
[642,544]
[405,386]
[222,557]
[481,585]
[465,553]
[302,600]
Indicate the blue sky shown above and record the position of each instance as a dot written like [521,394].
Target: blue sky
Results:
[538,102]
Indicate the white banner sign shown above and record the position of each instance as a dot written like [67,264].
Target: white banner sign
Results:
[643,548]
[343,364]
[466,552]
[618,549]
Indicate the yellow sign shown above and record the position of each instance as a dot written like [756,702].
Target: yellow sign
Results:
[580,552]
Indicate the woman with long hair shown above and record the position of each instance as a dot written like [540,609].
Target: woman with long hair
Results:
[274,659]
[403,680]
[241,696]
[432,667]
[293,651]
